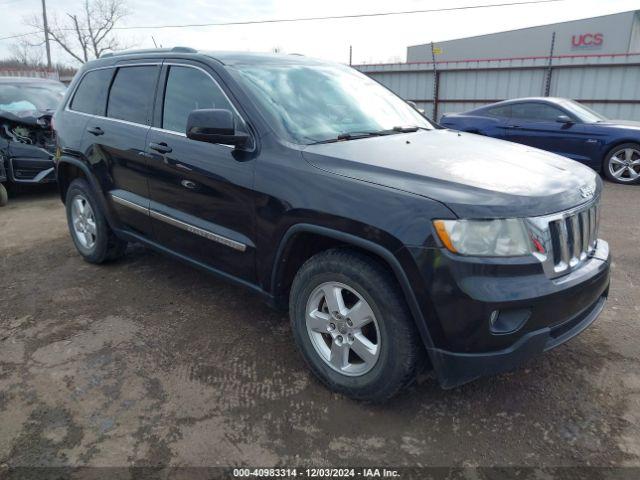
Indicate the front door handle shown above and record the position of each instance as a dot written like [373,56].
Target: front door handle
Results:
[514,126]
[97,131]
[160,147]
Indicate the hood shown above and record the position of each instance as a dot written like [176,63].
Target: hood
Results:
[475,176]
[32,118]
[620,124]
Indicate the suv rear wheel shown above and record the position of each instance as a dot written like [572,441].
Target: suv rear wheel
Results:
[351,323]
[90,232]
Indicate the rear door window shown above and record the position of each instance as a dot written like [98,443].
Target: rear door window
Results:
[91,95]
[131,94]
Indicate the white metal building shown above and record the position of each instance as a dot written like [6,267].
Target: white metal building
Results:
[616,33]
[595,61]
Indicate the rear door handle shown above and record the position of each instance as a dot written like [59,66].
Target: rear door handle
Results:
[97,131]
[514,126]
[160,147]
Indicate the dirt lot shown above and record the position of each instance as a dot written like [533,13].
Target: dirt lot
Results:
[150,362]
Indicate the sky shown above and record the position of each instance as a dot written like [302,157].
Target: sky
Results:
[379,39]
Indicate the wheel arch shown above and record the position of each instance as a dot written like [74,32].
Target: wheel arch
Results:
[609,147]
[285,266]
[70,168]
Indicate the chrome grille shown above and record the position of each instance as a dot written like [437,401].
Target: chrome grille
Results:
[569,238]
[573,238]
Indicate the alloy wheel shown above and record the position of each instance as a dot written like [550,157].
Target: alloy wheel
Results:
[83,221]
[343,329]
[624,165]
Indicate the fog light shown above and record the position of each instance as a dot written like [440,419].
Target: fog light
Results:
[508,321]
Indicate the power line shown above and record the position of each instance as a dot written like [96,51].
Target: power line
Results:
[310,19]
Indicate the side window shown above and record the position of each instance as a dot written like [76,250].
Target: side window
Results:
[501,112]
[189,89]
[536,111]
[91,95]
[132,93]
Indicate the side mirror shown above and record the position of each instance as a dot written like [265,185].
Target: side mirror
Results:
[215,126]
[563,119]
[415,107]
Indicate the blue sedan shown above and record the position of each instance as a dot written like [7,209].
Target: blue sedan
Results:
[561,126]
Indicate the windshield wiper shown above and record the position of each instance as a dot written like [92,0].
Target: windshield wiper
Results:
[351,136]
[377,133]
[408,129]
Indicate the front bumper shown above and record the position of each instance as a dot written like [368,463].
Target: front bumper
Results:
[468,295]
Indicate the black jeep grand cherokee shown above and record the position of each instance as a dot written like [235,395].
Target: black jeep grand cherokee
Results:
[391,240]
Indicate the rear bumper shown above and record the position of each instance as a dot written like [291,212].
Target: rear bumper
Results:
[549,313]
[30,170]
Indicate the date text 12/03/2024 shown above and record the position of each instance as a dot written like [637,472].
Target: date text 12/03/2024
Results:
[315,473]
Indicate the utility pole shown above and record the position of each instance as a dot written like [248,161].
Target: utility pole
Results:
[436,83]
[350,54]
[46,33]
[547,83]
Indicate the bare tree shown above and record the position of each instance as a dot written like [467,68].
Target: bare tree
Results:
[24,53]
[89,34]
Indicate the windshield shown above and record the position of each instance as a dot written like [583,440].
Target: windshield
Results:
[24,100]
[315,103]
[584,113]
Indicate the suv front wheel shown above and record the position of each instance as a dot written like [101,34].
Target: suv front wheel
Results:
[622,164]
[352,325]
[90,232]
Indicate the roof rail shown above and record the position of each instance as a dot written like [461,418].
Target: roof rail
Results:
[149,50]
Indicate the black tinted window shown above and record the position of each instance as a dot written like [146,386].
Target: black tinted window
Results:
[503,112]
[189,89]
[536,111]
[132,93]
[91,95]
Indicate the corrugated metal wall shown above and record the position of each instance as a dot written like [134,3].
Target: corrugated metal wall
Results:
[607,83]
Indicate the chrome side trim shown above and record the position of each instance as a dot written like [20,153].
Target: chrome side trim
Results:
[127,203]
[198,231]
[187,227]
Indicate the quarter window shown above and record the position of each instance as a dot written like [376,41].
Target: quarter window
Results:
[502,112]
[132,93]
[189,89]
[536,111]
[91,95]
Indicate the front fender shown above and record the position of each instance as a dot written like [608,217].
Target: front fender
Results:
[390,258]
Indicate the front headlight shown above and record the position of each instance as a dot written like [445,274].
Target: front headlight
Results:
[487,238]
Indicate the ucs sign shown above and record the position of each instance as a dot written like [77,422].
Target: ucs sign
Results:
[587,40]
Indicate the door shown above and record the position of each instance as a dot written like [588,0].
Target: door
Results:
[115,142]
[494,122]
[536,124]
[202,203]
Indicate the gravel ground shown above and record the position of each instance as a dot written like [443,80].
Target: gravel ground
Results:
[148,362]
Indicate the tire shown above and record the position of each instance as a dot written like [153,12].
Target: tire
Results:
[622,164]
[98,243]
[4,196]
[390,328]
